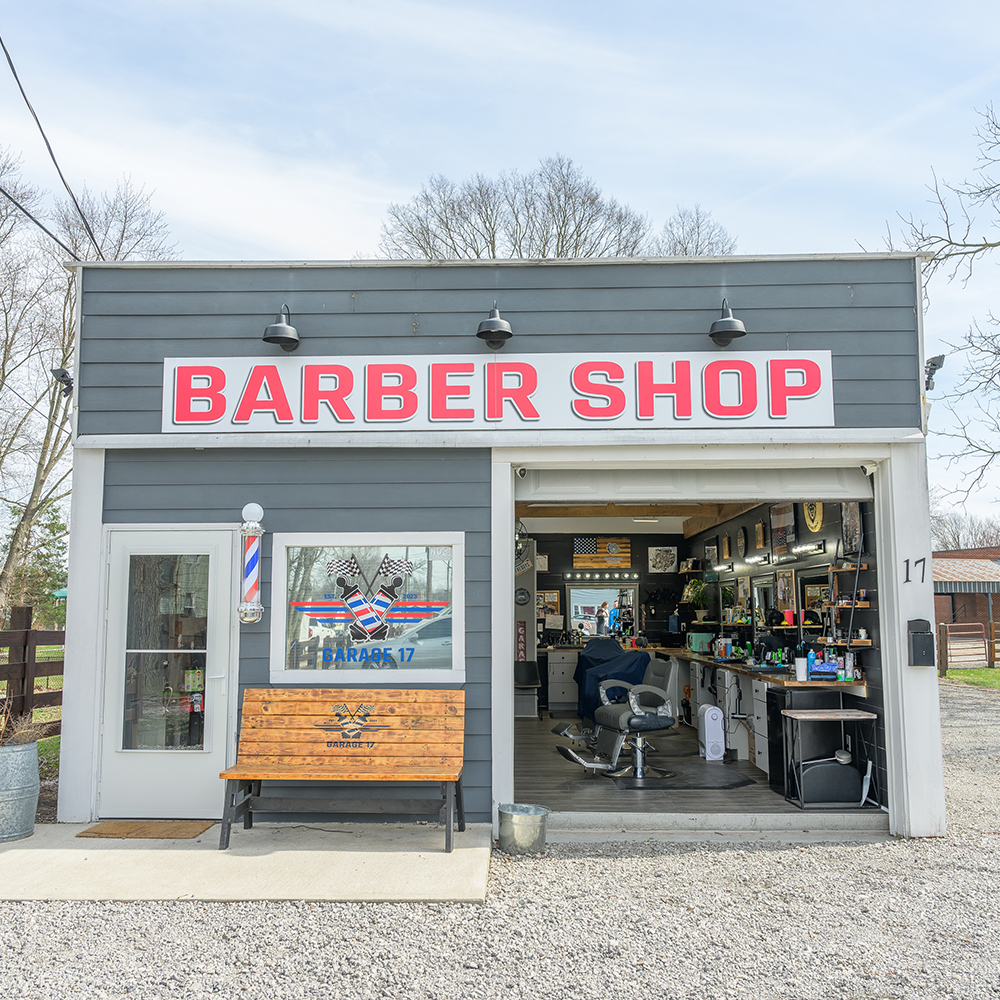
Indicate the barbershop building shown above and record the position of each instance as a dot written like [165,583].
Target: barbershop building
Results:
[462,475]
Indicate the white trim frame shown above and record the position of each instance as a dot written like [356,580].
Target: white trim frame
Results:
[281,540]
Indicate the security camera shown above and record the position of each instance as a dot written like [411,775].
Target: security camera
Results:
[521,472]
[868,468]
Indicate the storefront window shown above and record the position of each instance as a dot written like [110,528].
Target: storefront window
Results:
[361,604]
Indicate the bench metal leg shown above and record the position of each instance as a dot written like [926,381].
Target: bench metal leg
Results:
[237,803]
[460,796]
[449,826]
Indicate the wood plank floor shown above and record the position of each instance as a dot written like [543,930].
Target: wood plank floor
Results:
[542,777]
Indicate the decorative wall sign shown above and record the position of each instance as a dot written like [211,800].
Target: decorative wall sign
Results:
[663,559]
[850,525]
[602,553]
[782,529]
[711,553]
[784,590]
[725,547]
[741,542]
[522,596]
[813,514]
[758,535]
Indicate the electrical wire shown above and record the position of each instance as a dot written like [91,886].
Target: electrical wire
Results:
[48,146]
[47,232]
[31,406]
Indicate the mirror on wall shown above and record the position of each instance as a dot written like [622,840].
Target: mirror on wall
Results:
[582,604]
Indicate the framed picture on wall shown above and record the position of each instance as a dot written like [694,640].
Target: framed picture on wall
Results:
[711,553]
[782,529]
[784,590]
[815,595]
[541,562]
[663,559]
[547,602]
[850,526]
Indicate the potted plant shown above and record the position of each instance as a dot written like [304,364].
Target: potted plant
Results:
[698,593]
[19,783]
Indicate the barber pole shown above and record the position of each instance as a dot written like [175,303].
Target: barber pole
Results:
[250,609]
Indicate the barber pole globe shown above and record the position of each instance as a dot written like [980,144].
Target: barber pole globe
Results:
[250,609]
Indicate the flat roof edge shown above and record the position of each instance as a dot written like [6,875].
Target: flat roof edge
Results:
[492,262]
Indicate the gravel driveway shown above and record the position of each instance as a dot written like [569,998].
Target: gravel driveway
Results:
[631,920]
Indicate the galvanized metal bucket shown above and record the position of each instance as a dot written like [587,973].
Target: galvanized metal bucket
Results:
[19,786]
[522,828]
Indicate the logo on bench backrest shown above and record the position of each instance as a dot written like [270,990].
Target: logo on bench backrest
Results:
[352,725]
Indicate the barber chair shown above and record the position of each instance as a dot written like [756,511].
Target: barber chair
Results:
[625,724]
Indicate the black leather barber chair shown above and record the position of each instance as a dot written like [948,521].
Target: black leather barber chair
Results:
[624,724]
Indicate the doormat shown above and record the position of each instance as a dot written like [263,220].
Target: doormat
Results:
[688,777]
[148,829]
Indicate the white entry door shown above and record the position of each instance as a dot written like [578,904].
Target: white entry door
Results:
[168,664]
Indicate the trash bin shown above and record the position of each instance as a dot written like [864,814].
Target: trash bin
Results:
[522,829]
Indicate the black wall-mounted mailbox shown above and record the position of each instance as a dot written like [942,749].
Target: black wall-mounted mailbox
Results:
[920,640]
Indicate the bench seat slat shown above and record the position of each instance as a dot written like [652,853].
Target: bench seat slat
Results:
[416,751]
[349,763]
[439,723]
[388,709]
[254,772]
[395,695]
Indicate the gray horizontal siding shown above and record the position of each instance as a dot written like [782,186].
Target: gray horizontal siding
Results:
[365,489]
[863,310]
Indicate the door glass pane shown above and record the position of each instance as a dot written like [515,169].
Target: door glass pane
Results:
[165,658]
[167,602]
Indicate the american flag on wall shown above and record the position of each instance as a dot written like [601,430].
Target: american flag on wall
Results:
[601,553]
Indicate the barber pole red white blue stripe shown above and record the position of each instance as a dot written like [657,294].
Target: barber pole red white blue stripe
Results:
[251,569]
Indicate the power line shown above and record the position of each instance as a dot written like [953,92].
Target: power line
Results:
[48,232]
[48,146]
[59,427]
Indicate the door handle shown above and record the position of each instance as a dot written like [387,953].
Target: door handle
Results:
[216,677]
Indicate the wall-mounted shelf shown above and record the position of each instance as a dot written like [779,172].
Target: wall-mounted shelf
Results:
[848,569]
[848,605]
[853,644]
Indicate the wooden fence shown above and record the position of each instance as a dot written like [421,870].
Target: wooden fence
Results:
[23,668]
[967,644]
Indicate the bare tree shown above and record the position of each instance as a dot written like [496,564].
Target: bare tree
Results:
[952,528]
[694,233]
[554,211]
[950,239]
[37,310]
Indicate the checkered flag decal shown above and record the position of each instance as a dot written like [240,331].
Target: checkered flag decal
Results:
[343,567]
[394,567]
[585,546]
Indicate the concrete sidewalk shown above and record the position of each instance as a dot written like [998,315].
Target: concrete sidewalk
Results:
[326,862]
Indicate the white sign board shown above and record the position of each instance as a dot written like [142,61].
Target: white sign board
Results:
[513,392]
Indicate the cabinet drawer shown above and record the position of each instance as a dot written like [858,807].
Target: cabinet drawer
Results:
[561,673]
[760,690]
[760,719]
[562,694]
[761,758]
[563,656]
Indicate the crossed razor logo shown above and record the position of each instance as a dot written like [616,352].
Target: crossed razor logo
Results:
[351,723]
[369,612]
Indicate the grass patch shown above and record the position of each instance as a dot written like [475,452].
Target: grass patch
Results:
[986,677]
[48,758]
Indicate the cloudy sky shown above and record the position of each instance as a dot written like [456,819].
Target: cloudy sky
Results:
[281,130]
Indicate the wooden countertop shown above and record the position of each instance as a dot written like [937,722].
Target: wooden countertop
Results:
[786,680]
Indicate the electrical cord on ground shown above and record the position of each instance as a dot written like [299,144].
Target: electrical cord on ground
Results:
[48,146]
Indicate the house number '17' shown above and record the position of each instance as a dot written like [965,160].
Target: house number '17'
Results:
[922,563]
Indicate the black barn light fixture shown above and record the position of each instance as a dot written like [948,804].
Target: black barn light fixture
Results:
[64,378]
[281,331]
[495,330]
[725,330]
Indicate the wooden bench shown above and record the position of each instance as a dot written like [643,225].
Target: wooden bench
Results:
[347,734]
